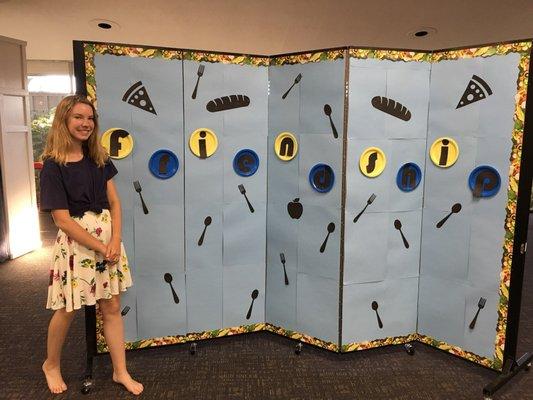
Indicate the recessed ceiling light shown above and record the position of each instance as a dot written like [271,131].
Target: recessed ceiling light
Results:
[422,32]
[104,24]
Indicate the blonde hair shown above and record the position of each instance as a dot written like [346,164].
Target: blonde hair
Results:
[59,140]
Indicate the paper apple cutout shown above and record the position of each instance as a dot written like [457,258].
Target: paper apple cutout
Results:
[295,209]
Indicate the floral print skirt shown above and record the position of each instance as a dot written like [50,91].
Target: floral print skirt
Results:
[78,275]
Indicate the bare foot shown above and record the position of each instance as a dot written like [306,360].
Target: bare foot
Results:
[55,381]
[129,383]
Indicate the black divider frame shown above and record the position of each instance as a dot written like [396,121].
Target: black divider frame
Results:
[511,365]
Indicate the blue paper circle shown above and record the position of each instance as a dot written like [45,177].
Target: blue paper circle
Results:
[408,182]
[245,162]
[487,178]
[321,178]
[163,164]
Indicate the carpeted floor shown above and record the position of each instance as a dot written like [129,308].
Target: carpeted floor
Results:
[254,366]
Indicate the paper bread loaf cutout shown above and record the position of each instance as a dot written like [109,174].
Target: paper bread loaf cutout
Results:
[228,102]
[137,96]
[474,92]
[391,107]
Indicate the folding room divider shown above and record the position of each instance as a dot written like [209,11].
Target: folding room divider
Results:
[347,198]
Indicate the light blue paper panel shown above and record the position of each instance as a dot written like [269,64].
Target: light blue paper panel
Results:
[365,248]
[204,177]
[480,340]
[282,235]
[129,298]
[441,310]
[282,176]
[320,149]
[397,308]
[404,262]
[239,283]
[410,87]
[251,81]
[284,114]
[446,186]
[158,315]
[322,83]
[359,188]
[244,233]
[312,234]
[255,184]
[445,250]
[209,254]
[281,298]
[158,243]
[204,299]
[449,79]
[490,117]
[366,81]
[210,86]
[400,153]
[487,235]
[318,307]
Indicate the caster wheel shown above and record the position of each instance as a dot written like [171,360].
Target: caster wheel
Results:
[527,367]
[192,349]
[87,386]
[298,348]
[409,349]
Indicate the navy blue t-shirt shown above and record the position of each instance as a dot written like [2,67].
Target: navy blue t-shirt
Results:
[79,186]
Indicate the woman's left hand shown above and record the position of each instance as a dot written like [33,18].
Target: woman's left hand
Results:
[112,254]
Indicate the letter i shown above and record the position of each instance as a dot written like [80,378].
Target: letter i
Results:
[202,146]
[444,152]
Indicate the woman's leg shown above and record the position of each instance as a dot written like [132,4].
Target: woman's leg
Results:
[57,332]
[114,336]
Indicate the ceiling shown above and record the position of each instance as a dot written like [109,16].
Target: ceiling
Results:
[263,27]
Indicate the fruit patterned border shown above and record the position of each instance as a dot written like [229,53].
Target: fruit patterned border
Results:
[238,59]
[391,55]
[327,55]
[101,345]
[302,337]
[356,346]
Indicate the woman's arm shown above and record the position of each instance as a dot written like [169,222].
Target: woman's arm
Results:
[113,247]
[64,221]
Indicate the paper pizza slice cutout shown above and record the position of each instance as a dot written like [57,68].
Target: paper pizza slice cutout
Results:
[137,96]
[477,89]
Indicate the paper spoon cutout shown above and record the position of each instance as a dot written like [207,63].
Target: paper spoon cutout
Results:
[375,308]
[168,279]
[327,111]
[331,228]
[455,209]
[255,293]
[398,225]
[207,222]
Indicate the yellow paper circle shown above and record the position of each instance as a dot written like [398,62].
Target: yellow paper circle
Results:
[203,142]
[286,146]
[372,162]
[118,142]
[444,152]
